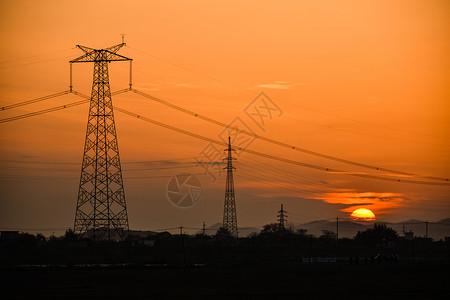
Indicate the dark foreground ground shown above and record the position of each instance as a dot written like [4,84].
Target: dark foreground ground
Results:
[263,281]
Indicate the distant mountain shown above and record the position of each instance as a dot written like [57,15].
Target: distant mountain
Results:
[142,233]
[436,230]
[243,231]
[445,221]
[347,229]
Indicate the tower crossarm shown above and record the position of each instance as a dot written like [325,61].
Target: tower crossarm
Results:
[100,55]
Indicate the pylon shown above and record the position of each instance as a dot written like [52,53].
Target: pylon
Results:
[229,210]
[282,218]
[101,212]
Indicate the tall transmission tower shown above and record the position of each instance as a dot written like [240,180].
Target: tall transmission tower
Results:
[282,218]
[229,209]
[101,212]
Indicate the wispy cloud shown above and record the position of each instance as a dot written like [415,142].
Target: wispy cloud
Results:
[150,87]
[379,203]
[168,85]
[280,85]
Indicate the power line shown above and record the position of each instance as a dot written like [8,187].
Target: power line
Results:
[281,185]
[190,165]
[300,106]
[363,122]
[44,111]
[216,123]
[285,173]
[35,100]
[32,56]
[365,133]
[277,158]
[73,163]
[33,63]
[282,144]
[186,68]
[40,177]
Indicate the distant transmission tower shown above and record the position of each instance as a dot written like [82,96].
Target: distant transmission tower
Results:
[282,218]
[229,210]
[101,212]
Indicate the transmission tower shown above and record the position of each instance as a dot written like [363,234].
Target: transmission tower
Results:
[101,212]
[229,210]
[282,218]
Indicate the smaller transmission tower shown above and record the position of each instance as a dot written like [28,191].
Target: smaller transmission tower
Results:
[229,210]
[282,218]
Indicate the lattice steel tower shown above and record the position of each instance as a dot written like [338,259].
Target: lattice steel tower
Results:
[101,212]
[229,210]
[282,218]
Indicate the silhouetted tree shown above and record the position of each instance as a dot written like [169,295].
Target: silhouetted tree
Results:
[380,233]
[275,228]
[328,235]
[223,234]
[301,232]
[271,228]
[29,240]
[70,236]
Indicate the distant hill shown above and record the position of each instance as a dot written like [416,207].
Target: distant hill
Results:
[243,231]
[436,230]
[347,229]
[142,233]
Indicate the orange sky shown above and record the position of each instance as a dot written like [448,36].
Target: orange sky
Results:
[366,81]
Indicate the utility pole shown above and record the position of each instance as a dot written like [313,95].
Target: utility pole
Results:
[183,249]
[229,210]
[101,212]
[337,230]
[426,229]
[282,218]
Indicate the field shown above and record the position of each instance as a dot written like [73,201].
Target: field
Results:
[249,281]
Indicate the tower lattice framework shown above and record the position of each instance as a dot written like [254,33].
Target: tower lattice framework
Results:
[101,212]
[282,218]
[229,210]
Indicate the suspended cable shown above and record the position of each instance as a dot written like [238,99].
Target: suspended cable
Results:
[282,144]
[281,185]
[77,163]
[363,122]
[33,63]
[25,169]
[35,100]
[226,126]
[33,56]
[186,68]
[44,111]
[300,106]
[290,184]
[273,157]
[276,170]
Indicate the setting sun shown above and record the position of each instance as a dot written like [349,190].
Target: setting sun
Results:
[363,214]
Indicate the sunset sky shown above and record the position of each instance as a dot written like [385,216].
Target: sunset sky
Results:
[364,81]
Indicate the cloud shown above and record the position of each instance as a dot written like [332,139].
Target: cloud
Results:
[151,87]
[279,85]
[158,87]
[379,203]
[180,84]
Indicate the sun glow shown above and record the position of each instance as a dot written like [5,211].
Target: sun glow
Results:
[363,214]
